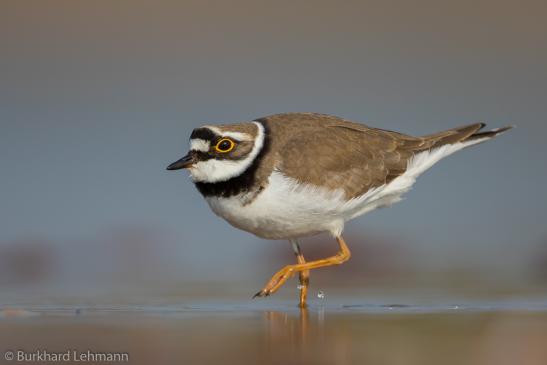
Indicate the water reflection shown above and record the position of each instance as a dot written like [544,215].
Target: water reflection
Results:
[288,327]
[287,335]
[411,337]
[304,336]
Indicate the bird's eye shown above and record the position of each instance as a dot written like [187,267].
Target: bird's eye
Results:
[225,145]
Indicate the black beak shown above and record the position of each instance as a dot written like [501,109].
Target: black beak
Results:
[183,163]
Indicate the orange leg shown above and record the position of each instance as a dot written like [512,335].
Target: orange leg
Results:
[303,276]
[279,278]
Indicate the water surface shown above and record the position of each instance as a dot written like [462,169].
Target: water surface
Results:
[345,330]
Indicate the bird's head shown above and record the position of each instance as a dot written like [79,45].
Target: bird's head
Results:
[219,153]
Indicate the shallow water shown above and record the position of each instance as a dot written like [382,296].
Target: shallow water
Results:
[345,330]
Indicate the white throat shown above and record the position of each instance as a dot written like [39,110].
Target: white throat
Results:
[214,170]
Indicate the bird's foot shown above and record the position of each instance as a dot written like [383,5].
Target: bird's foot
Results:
[277,280]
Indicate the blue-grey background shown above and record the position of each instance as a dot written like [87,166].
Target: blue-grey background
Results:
[97,97]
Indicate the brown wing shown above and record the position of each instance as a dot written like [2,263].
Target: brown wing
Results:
[335,153]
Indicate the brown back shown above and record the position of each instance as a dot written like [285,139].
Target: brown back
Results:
[332,152]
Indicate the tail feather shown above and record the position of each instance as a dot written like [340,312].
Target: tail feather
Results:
[443,144]
[489,134]
[470,133]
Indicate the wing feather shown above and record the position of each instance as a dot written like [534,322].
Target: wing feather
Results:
[335,153]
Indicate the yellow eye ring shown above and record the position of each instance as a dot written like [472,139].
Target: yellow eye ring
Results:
[225,145]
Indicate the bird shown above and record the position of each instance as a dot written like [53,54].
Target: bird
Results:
[293,175]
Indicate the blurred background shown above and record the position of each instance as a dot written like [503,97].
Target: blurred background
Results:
[97,97]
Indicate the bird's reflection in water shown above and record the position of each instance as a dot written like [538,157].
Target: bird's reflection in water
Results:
[294,334]
[287,326]
[316,336]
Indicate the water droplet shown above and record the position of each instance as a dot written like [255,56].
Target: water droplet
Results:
[320,294]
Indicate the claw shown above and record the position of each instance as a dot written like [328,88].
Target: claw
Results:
[261,294]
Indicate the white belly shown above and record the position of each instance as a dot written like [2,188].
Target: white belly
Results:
[286,209]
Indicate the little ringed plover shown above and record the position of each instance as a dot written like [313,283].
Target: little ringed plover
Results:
[295,175]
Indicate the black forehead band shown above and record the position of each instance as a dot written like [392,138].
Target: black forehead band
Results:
[203,133]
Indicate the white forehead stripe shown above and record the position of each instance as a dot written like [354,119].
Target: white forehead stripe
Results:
[214,170]
[198,144]
[235,135]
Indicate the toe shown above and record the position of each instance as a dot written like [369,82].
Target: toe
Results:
[259,294]
[262,293]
